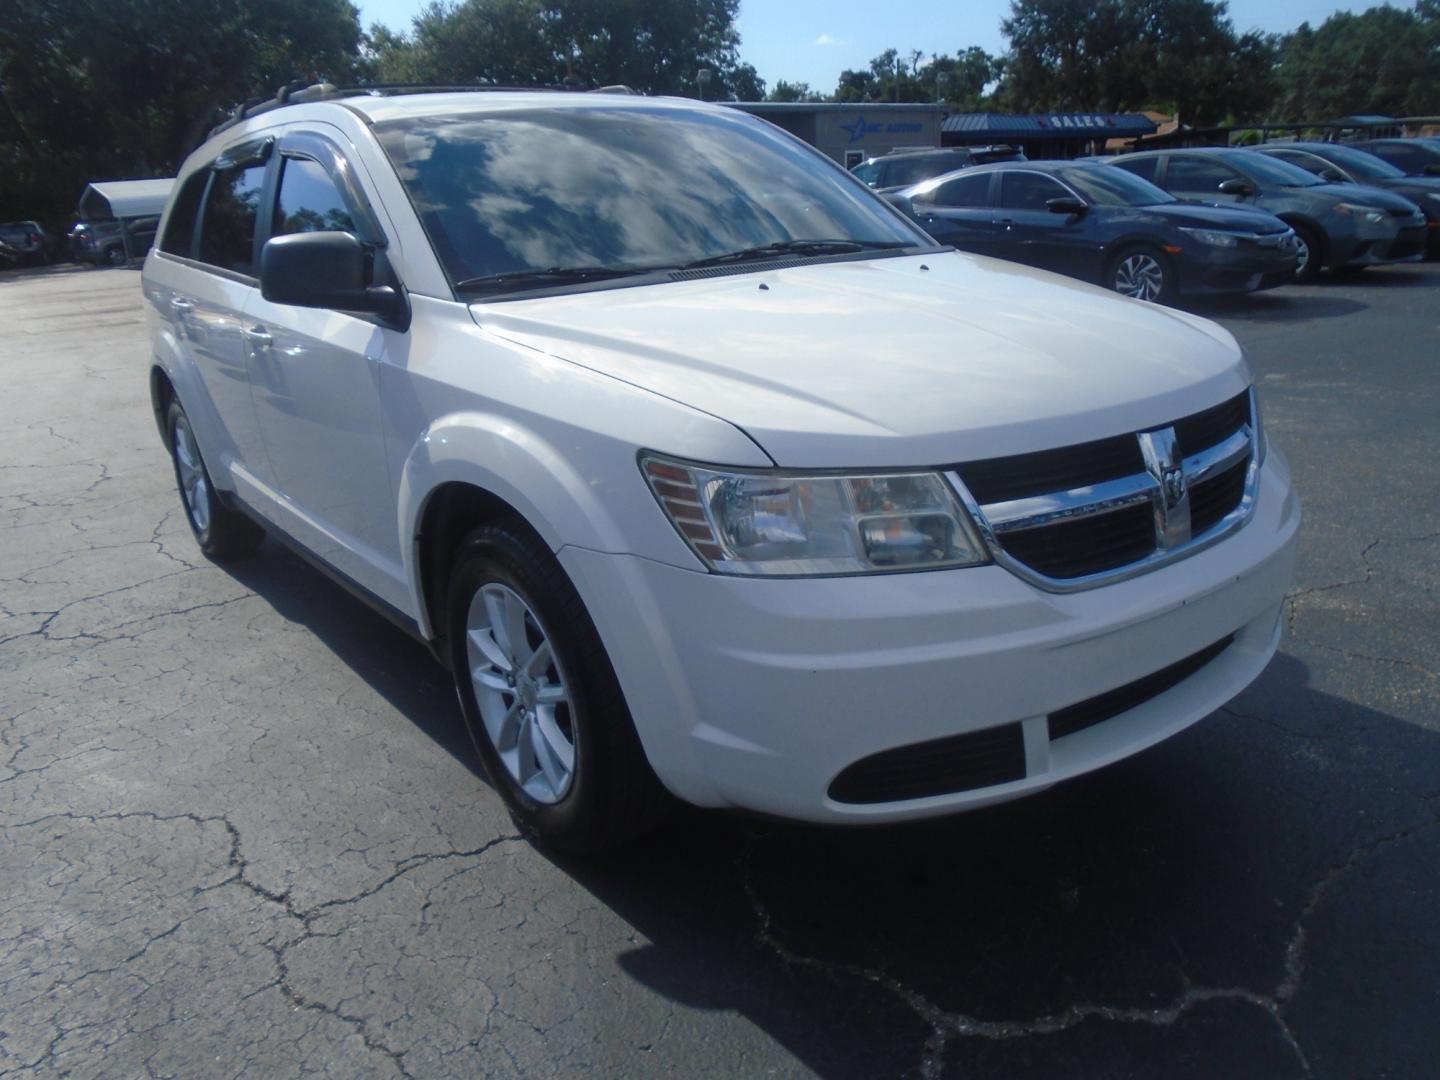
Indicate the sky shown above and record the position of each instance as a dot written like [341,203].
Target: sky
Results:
[812,41]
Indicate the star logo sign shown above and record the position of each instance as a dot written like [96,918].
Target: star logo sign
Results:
[857,130]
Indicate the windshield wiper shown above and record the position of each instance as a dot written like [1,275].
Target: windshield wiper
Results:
[795,247]
[551,275]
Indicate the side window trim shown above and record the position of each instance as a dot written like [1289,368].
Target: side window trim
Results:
[332,159]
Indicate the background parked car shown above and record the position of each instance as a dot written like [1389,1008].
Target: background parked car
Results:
[1336,225]
[890,172]
[104,241]
[1338,163]
[29,242]
[1413,157]
[1106,226]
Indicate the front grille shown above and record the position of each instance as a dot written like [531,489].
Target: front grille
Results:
[1132,695]
[938,767]
[1093,509]
[1087,545]
[1213,498]
[1019,477]
[1212,426]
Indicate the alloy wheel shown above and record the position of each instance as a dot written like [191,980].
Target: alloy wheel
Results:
[1302,255]
[194,485]
[521,692]
[1141,276]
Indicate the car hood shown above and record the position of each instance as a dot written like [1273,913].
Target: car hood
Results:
[1238,219]
[911,360]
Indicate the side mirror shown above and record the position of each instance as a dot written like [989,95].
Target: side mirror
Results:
[325,270]
[1236,186]
[1066,204]
[1334,176]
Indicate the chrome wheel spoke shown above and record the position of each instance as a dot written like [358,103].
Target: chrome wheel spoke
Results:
[507,622]
[540,661]
[547,756]
[503,725]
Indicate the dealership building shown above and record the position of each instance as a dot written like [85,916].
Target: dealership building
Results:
[850,133]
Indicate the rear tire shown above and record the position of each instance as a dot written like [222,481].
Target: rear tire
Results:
[540,698]
[116,256]
[1142,273]
[222,533]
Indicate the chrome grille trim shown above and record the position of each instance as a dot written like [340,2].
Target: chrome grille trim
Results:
[995,520]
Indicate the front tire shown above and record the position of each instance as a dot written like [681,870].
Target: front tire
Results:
[115,256]
[222,533]
[1311,254]
[1142,273]
[540,699]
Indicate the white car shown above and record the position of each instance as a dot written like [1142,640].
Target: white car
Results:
[704,470]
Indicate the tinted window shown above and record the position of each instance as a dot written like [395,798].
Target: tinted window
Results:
[1113,187]
[1269,170]
[1410,159]
[227,228]
[180,230]
[1309,162]
[1196,175]
[1360,164]
[309,201]
[906,171]
[622,187]
[868,172]
[1028,191]
[971,190]
[1142,167]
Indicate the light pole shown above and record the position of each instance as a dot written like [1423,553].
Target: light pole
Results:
[702,80]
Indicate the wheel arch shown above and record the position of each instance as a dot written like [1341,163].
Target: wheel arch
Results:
[471,468]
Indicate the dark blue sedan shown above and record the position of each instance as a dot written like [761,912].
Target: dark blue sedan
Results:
[1104,225]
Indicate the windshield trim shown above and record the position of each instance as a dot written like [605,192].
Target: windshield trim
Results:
[674,276]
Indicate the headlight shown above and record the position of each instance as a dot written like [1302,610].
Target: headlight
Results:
[1210,236]
[1364,213]
[797,524]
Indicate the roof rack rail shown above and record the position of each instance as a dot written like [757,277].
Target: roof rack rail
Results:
[300,91]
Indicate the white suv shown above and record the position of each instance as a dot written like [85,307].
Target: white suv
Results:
[703,469]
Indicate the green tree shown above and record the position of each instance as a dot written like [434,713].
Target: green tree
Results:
[1182,56]
[653,46]
[1384,60]
[92,90]
[799,91]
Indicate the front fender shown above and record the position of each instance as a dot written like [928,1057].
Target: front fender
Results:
[606,507]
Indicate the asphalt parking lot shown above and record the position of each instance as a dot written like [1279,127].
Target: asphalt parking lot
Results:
[242,832]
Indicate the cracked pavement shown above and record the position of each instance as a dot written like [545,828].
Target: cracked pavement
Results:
[242,832]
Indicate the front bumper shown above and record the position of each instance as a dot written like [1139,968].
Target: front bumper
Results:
[1236,270]
[757,693]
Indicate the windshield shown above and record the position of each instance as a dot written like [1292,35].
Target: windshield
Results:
[1114,187]
[1269,170]
[1359,163]
[526,191]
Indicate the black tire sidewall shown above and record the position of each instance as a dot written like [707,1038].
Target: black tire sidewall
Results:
[497,555]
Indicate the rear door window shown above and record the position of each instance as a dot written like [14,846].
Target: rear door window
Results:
[1196,175]
[227,225]
[180,229]
[1142,167]
[972,190]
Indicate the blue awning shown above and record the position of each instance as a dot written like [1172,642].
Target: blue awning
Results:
[1003,126]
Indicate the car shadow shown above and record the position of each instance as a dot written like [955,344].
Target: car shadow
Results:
[1295,303]
[1070,932]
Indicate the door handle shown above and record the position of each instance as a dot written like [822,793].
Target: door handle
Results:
[258,337]
[180,304]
